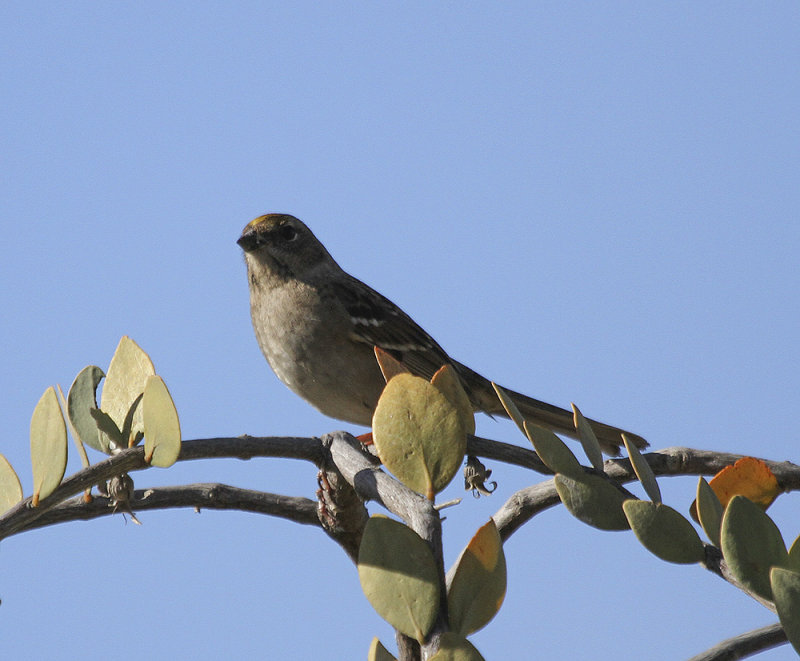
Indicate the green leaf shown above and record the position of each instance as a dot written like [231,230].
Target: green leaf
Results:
[786,589]
[591,446]
[593,500]
[709,511]
[48,445]
[454,647]
[553,451]
[377,652]
[125,381]
[476,586]
[794,555]
[664,531]
[162,430]
[449,384]
[751,544]
[642,470]
[419,434]
[510,407]
[10,486]
[108,428]
[398,575]
[82,398]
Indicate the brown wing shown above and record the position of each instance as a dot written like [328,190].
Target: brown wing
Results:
[379,322]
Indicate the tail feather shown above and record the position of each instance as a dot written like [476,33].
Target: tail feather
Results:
[484,398]
[563,422]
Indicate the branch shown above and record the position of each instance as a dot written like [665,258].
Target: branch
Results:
[528,502]
[688,461]
[197,496]
[372,483]
[745,644]
[23,513]
[345,454]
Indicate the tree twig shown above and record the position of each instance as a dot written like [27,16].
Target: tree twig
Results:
[744,645]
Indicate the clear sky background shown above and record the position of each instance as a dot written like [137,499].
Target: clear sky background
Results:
[589,202]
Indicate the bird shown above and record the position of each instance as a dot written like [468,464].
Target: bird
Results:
[318,327]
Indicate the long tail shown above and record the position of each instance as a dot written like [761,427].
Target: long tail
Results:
[541,413]
[562,421]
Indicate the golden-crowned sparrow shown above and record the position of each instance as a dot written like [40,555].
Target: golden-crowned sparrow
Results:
[318,327]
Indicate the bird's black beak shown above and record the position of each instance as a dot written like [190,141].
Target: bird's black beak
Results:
[249,240]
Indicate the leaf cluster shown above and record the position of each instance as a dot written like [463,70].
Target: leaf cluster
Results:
[135,404]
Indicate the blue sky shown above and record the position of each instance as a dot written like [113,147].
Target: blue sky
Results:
[590,203]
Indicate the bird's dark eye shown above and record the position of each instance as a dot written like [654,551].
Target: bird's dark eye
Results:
[287,233]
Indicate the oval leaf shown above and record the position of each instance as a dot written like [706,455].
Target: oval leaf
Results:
[419,434]
[591,446]
[476,585]
[642,470]
[162,430]
[664,532]
[82,398]
[454,647]
[709,511]
[592,500]
[377,652]
[448,382]
[125,381]
[786,589]
[553,451]
[398,575]
[751,544]
[10,486]
[48,446]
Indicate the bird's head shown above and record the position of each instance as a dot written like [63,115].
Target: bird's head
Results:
[283,244]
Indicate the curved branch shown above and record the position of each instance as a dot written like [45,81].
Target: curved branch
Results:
[523,505]
[745,644]
[197,496]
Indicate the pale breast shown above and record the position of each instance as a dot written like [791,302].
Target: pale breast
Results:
[305,339]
